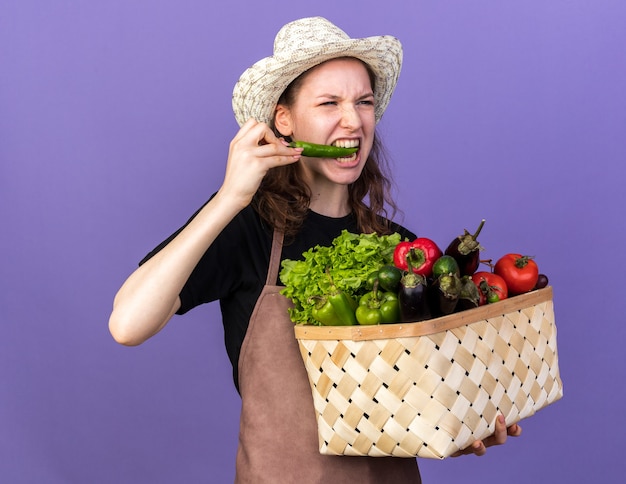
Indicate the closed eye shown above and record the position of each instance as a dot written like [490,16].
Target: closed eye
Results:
[367,100]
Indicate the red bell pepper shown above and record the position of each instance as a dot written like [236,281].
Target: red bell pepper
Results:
[422,258]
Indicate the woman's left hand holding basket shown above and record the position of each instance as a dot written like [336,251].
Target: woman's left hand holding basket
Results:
[499,437]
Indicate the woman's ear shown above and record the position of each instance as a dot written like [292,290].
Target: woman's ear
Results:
[282,120]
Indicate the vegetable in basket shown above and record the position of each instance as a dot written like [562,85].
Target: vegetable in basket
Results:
[388,278]
[520,272]
[491,287]
[542,281]
[342,303]
[376,307]
[324,312]
[350,259]
[446,264]
[413,296]
[469,296]
[466,250]
[445,292]
[423,253]
[445,289]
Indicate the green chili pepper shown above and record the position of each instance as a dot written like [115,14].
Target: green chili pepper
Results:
[376,307]
[322,151]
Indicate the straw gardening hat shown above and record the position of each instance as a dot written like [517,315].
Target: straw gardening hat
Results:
[303,44]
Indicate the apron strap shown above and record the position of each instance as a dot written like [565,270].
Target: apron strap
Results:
[274,266]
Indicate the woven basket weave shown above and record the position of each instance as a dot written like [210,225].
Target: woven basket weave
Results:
[431,388]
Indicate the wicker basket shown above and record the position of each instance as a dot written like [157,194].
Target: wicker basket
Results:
[431,388]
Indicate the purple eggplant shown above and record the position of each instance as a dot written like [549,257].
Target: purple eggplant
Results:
[466,251]
[445,294]
[413,300]
[413,296]
[469,296]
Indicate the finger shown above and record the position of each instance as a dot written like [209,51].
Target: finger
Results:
[500,434]
[245,128]
[514,430]
[262,133]
[271,155]
[277,147]
[477,448]
[259,158]
[281,160]
[499,437]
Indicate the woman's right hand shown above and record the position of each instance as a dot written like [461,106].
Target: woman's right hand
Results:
[254,150]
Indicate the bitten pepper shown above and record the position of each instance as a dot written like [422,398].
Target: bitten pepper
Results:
[423,253]
[376,307]
[322,151]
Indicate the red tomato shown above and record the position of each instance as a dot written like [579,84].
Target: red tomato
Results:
[491,287]
[520,272]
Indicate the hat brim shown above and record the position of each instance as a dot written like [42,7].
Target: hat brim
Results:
[257,92]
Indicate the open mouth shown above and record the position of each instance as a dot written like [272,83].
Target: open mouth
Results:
[347,143]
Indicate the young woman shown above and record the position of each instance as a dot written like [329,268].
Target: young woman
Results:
[322,87]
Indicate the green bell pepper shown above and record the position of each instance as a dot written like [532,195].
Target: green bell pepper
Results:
[324,312]
[376,307]
[336,308]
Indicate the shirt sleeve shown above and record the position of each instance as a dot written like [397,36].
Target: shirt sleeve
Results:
[214,276]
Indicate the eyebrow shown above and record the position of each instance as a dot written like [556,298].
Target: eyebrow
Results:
[335,97]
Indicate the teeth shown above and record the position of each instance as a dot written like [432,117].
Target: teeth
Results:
[352,157]
[347,143]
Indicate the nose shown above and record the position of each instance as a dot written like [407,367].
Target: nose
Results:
[350,118]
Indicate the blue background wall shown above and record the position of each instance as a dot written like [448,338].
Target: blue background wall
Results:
[115,119]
